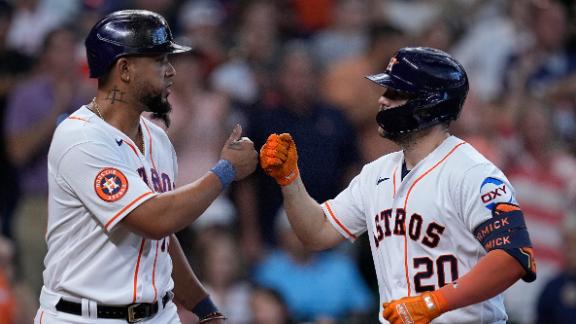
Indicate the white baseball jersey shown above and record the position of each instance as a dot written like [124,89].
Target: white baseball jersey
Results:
[421,227]
[97,176]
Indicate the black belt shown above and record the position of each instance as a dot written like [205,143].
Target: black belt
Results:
[131,313]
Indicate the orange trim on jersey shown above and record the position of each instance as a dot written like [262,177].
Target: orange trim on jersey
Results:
[41,317]
[406,203]
[126,207]
[150,145]
[394,182]
[77,118]
[338,222]
[137,268]
[133,148]
[154,272]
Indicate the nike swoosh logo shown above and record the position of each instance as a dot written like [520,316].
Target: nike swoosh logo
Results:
[381,180]
[119,142]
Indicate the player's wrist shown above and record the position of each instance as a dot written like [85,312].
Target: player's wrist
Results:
[206,311]
[440,301]
[288,179]
[225,172]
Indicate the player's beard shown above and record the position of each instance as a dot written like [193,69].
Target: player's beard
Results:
[402,140]
[405,140]
[158,105]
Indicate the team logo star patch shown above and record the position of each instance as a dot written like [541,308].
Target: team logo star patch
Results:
[110,184]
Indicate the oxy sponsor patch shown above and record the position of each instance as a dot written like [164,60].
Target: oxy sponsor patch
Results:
[493,191]
[110,184]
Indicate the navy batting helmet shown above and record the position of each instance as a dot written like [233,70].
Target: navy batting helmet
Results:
[128,32]
[435,83]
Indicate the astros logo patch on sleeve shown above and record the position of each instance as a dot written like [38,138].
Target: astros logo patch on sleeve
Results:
[110,184]
[493,191]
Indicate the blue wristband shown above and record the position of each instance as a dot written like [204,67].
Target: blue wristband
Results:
[204,308]
[225,172]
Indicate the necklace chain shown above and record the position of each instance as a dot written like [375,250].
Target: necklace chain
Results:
[95,105]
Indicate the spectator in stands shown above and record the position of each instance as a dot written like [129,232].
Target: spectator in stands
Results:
[544,176]
[322,131]
[268,307]
[316,286]
[201,119]
[17,303]
[243,40]
[217,258]
[246,75]
[441,33]
[8,305]
[561,94]
[13,66]
[484,125]
[548,59]
[33,20]
[221,269]
[202,22]
[557,303]
[495,31]
[34,109]
[347,34]
[344,86]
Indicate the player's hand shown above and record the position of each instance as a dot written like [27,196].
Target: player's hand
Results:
[421,309]
[241,153]
[279,158]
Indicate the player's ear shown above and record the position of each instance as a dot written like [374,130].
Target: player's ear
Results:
[123,66]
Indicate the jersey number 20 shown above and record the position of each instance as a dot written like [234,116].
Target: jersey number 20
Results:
[427,269]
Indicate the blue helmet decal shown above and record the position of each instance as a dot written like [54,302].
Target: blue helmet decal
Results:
[493,191]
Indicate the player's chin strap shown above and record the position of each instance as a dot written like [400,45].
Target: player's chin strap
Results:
[507,231]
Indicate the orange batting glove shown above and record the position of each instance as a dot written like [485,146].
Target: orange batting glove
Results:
[279,159]
[421,309]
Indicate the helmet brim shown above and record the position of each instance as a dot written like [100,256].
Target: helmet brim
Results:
[177,48]
[166,48]
[387,80]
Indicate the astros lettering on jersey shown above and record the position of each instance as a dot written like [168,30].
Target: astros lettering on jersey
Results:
[421,228]
[97,176]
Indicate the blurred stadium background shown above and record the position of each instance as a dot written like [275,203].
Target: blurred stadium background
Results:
[266,63]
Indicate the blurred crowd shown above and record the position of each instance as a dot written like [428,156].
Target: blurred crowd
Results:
[298,66]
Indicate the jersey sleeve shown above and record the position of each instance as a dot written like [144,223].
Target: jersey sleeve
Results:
[481,188]
[346,211]
[105,184]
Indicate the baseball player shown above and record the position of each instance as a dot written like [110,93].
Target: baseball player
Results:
[446,234]
[112,256]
